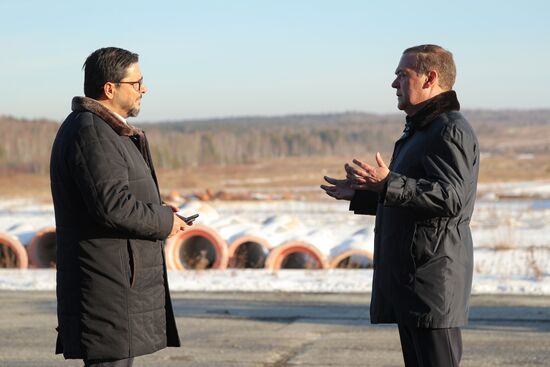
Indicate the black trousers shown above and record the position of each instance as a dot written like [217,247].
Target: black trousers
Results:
[430,347]
[116,363]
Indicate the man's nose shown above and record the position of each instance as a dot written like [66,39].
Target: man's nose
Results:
[395,84]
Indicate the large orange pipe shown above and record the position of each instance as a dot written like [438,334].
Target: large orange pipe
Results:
[42,249]
[12,252]
[352,259]
[295,255]
[198,247]
[248,251]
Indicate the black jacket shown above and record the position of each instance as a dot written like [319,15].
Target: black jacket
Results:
[423,251]
[113,300]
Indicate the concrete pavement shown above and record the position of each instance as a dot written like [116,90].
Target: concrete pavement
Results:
[288,329]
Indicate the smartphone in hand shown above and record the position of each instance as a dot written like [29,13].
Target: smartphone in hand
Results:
[189,219]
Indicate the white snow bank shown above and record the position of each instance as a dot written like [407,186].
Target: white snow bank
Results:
[307,281]
[511,240]
[538,188]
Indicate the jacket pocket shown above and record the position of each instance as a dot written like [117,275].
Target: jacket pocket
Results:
[425,242]
[128,262]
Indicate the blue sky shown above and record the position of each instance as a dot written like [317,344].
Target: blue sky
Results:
[209,58]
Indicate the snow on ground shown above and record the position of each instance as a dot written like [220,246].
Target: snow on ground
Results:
[534,189]
[306,281]
[511,240]
[23,218]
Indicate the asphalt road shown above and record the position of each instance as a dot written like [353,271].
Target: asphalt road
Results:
[278,329]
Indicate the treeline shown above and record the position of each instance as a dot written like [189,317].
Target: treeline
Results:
[229,141]
[25,144]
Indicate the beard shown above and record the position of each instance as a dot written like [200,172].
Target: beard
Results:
[133,112]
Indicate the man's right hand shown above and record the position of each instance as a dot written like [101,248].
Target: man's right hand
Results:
[340,189]
[179,225]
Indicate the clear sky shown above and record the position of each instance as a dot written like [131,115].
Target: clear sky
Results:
[207,58]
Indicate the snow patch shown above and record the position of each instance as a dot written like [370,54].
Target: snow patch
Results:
[511,242]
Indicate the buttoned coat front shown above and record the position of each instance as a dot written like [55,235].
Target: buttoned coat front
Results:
[423,257]
[113,300]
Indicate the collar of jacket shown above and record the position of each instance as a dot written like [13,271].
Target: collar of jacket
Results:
[444,102]
[85,104]
[82,104]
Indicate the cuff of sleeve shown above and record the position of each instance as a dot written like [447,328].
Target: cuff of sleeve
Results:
[399,189]
[382,194]
[364,202]
[353,201]
[166,221]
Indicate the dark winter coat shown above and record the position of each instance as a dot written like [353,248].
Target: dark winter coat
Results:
[423,252]
[113,300]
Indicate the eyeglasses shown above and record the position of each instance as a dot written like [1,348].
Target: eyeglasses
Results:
[136,85]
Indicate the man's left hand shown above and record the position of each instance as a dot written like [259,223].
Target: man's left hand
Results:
[368,177]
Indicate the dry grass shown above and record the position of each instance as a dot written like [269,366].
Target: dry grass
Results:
[537,271]
[297,175]
[349,263]
[290,175]
[25,185]
[197,261]
[8,258]
[504,246]
[512,168]
[505,237]
[248,256]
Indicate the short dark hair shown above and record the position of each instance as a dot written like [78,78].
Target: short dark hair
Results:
[104,65]
[433,57]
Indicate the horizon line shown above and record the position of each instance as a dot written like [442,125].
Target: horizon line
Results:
[283,115]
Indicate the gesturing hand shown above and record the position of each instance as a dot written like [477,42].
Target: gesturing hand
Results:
[340,189]
[368,177]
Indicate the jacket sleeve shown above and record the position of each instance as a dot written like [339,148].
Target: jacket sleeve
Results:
[101,175]
[364,202]
[448,168]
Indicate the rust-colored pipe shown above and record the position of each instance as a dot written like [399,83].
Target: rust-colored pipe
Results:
[198,247]
[295,255]
[12,253]
[352,259]
[169,254]
[42,249]
[248,252]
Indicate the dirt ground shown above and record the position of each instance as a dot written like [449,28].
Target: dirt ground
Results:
[294,177]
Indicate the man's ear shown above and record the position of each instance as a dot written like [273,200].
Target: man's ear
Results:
[431,79]
[109,90]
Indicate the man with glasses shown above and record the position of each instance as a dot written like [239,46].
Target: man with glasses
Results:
[113,301]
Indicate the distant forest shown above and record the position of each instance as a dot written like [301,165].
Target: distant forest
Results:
[25,144]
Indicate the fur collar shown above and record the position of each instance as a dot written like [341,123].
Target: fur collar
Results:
[444,102]
[85,104]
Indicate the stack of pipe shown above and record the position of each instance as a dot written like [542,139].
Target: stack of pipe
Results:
[279,242]
[42,248]
[215,242]
[12,252]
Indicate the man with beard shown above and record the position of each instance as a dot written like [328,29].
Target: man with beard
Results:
[423,202]
[113,301]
